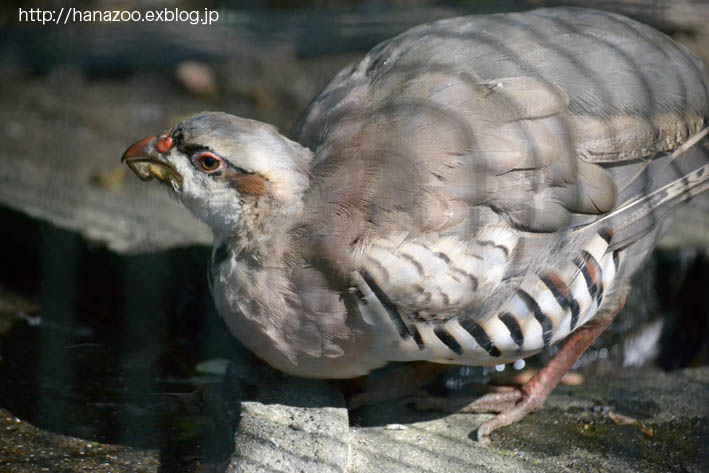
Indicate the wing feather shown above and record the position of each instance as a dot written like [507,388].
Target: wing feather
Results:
[526,122]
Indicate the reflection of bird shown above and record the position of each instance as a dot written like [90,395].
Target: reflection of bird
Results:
[471,192]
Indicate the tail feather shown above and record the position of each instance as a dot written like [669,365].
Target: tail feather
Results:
[654,189]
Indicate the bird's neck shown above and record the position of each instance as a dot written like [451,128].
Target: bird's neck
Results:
[262,233]
[263,223]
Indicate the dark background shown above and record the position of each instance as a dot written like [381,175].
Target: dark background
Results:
[106,322]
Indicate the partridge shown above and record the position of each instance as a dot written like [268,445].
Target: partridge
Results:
[471,192]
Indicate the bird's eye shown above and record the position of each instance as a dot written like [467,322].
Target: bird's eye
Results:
[207,162]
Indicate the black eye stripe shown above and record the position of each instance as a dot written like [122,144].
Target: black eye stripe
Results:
[179,137]
[192,149]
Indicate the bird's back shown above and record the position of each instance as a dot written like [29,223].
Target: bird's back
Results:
[486,182]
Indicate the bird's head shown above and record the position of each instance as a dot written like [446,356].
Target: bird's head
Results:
[225,169]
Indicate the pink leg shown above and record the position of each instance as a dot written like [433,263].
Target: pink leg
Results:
[536,391]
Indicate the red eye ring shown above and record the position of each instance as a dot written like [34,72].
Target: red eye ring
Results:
[207,162]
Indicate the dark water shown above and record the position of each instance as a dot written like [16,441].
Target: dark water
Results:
[108,352]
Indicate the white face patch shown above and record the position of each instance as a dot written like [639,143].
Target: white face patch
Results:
[209,199]
[258,161]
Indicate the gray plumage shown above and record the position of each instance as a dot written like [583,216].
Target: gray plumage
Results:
[469,192]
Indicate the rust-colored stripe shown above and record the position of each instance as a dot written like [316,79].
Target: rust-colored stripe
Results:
[591,271]
[244,183]
[562,294]
[606,233]
[541,317]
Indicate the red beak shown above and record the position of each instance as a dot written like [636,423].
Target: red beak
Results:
[143,158]
[139,149]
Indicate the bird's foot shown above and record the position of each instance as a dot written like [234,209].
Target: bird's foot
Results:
[532,396]
[510,403]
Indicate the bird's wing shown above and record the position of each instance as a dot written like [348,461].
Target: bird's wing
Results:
[457,158]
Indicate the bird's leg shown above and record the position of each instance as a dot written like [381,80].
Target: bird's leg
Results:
[514,404]
[536,391]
